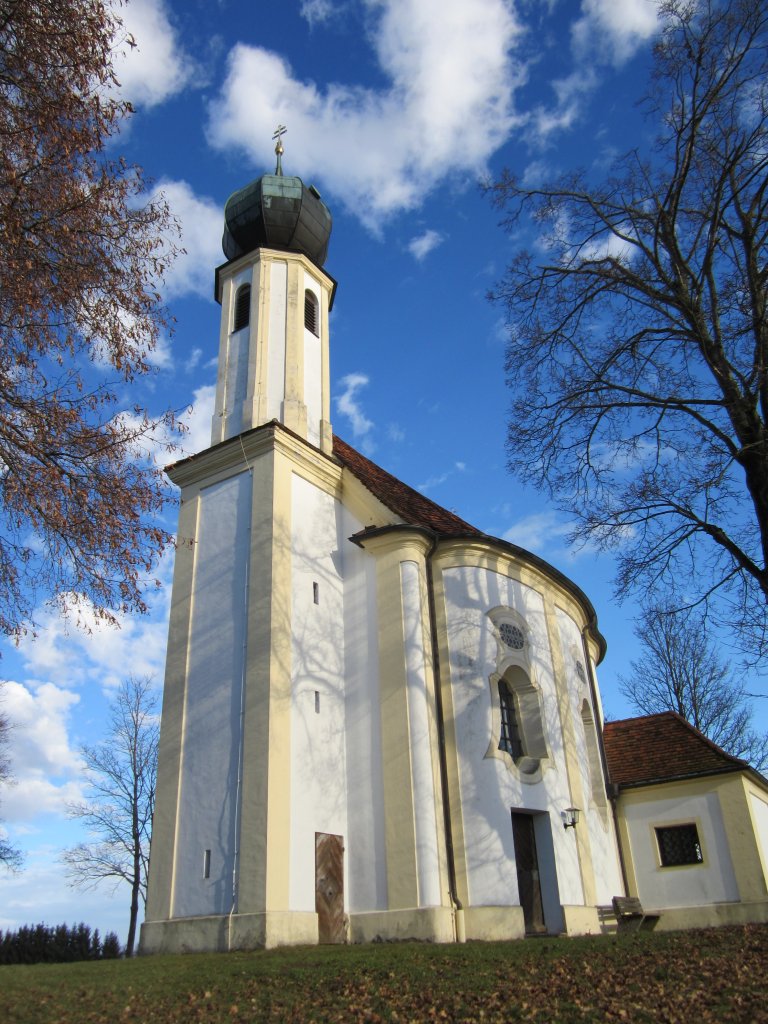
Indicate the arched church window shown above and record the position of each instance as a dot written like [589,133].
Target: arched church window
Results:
[521,727]
[242,307]
[509,733]
[594,763]
[311,311]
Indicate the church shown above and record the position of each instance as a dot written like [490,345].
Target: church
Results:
[378,721]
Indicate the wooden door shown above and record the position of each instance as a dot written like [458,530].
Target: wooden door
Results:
[329,887]
[528,873]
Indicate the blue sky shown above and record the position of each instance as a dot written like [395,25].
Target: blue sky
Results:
[396,110]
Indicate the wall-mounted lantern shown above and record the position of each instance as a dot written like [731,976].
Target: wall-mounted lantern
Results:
[571,817]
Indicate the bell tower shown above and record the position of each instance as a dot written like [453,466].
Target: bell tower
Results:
[275,299]
[224,819]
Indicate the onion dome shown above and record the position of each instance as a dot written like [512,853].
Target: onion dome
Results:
[278,212]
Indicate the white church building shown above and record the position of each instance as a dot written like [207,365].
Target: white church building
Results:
[378,721]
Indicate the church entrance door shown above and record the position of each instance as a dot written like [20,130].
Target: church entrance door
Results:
[329,887]
[528,881]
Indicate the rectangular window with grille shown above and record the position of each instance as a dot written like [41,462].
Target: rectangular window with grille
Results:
[679,844]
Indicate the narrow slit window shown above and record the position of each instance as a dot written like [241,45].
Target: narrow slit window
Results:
[242,307]
[316,593]
[317,702]
[206,864]
[311,317]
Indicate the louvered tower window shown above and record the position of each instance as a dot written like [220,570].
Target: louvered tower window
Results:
[242,307]
[311,317]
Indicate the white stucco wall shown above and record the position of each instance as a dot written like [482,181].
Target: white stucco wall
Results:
[489,788]
[760,818]
[278,292]
[596,814]
[712,881]
[208,786]
[318,756]
[366,848]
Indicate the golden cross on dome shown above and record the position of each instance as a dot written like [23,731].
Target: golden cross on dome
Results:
[278,137]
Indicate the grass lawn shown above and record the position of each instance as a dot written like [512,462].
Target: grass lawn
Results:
[691,977]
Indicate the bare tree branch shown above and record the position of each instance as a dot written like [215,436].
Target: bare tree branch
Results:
[121,773]
[679,671]
[638,353]
[10,855]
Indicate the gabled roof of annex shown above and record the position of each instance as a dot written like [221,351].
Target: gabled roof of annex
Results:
[663,748]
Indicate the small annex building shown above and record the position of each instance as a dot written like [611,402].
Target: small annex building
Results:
[693,823]
[378,721]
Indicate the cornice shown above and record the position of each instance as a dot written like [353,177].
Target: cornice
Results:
[237,453]
[255,255]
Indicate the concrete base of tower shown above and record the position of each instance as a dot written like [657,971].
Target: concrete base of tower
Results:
[222,933]
[427,924]
[581,920]
[494,924]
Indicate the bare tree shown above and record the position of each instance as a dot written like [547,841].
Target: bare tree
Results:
[82,251]
[680,671]
[10,856]
[639,341]
[121,772]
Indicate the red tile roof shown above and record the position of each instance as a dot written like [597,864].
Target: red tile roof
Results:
[662,748]
[408,504]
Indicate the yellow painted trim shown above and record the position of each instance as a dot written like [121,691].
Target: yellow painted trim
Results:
[754,792]
[217,426]
[390,550]
[170,755]
[294,406]
[419,552]
[279,782]
[258,357]
[254,812]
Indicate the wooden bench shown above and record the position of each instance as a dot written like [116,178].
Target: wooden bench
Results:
[630,915]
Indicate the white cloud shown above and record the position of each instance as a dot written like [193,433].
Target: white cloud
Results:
[615,29]
[155,68]
[423,244]
[96,653]
[161,356]
[163,445]
[45,767]
[197,420]
[318,11]
[447,108]
[610,246]
[202,222]
[570,93]
[194,358]
[436,481]
[538,531]
[348,404]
